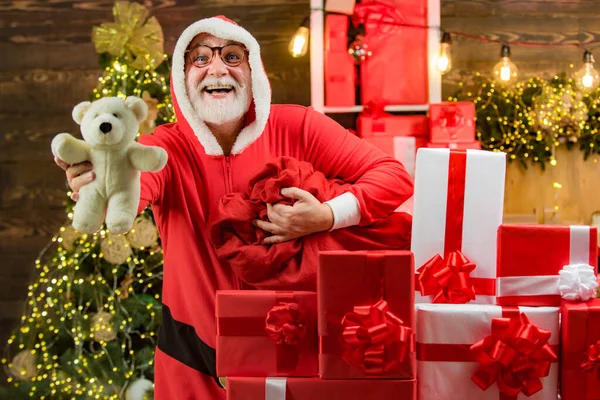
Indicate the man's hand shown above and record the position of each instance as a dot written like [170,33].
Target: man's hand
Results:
[307,215]
[78,175]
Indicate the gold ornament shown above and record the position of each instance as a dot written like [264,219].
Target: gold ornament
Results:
[102,327]
[69,235]
[23,366]
[143,233]
[115,248]
[148,125]
[133,35]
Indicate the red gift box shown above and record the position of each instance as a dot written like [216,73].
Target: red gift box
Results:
[452,122]
[266,333]
[580,357]
[340,74]
[396,72]
[392,125]
[366,315]
[531,256]
[336,33]
[340,88]
[456,146]
[402,148]
[317,389]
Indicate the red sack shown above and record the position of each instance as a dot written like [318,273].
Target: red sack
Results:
[291,265]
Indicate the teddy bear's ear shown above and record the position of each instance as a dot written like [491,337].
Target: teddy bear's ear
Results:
[138,106]
[80,110]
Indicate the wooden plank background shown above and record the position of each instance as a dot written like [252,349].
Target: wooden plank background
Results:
[48,64]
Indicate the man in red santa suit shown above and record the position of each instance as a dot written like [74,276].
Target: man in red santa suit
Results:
[226,129]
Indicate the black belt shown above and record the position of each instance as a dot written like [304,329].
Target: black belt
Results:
[179,341]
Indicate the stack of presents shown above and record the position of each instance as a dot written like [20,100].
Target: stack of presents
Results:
[476,310]
[383,81]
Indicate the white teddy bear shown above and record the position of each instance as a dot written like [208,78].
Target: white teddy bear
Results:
[109,127]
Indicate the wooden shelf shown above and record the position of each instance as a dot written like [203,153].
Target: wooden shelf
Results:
[390,108]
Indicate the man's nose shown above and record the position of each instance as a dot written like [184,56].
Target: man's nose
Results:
[217,67]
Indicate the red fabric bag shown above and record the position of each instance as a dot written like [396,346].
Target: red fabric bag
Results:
[291,265]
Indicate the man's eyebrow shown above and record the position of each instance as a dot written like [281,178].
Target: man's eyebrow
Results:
[227,43]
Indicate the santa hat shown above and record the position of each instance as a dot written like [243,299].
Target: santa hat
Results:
[223,28]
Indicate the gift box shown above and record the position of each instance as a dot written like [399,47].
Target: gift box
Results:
[530,258]
[366,315]
[340,87]
[452,122]
[336,33]
[317,389]
[486,352]
[402,148]
[458,204]
[396,72]
[580,350]
[266,333]
[456,146]
[383,124]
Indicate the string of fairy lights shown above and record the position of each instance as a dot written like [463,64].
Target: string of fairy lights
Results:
[504,71]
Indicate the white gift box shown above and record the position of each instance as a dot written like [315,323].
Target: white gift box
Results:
[446,331]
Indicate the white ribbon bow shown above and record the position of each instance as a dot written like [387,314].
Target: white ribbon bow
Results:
[577,282]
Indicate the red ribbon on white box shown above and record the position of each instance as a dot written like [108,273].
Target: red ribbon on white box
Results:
[540,285]
[275,388]
[459,197]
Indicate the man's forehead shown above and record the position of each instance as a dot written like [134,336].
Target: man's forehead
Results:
[210,40]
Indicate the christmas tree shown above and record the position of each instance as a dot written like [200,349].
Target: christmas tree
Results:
[93,312]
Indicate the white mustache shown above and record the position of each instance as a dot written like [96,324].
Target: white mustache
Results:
[210,81]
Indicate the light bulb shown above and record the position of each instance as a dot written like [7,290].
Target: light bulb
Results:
[587,77]
[299,43]
[444,58]
[505,71]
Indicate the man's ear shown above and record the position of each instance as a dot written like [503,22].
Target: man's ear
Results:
[138,106]
[80,110]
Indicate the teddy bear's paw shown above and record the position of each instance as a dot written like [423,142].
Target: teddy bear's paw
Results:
[121,224]
[85,226]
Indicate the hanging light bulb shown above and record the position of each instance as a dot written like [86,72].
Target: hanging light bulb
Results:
[444,58]
[587,77]
[505,71]
[359,49]
[299,43]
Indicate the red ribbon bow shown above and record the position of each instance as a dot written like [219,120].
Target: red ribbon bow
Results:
[375,109]
[451,117]
[516,355]
[375,339]
[286,323]
[593,358]
[448,280]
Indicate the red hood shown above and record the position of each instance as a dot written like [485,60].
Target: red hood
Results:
[257,116]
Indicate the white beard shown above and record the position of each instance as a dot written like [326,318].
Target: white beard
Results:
[220,111]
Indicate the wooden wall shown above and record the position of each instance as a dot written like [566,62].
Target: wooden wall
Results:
[48,64]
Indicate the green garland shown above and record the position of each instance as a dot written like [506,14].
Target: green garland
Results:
[531,119]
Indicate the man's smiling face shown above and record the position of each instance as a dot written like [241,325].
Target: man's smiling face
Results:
[218,83]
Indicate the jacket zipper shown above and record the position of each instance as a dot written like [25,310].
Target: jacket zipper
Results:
[228,174]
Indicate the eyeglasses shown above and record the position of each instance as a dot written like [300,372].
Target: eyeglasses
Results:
[201,56]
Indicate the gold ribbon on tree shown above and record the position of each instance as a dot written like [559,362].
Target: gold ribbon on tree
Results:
[132,34]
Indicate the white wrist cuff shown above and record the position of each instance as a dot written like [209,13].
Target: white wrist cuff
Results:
[346,210]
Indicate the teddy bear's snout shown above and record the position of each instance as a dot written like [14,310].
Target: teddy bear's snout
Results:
[105,127]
